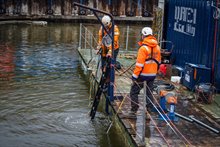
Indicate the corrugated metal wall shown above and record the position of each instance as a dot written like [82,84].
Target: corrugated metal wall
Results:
[65,7]
[190,25]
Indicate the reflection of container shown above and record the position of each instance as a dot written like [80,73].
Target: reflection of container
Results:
[195,74]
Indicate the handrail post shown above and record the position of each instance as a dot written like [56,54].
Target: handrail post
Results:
[91,41]
[80,36]
[85,37]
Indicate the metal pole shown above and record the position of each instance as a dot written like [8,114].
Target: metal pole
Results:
[111,91]
[127,37]
[162,7]
[49,4]
[215,46]
[90,44]
[85,37]
[139,8]
[97,4]
[112,70]
[184,117]
[204,125]
[80,34]
[96,10]
[1,6]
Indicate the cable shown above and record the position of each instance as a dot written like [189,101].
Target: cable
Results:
[170,120]
[126,72]
[152,121]
[165,114]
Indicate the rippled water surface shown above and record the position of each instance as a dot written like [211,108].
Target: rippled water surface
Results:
[43,93]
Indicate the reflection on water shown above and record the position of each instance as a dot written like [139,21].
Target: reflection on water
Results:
[6,62]
[43,93]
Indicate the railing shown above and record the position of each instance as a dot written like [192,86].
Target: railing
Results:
[88,41]
[128,37]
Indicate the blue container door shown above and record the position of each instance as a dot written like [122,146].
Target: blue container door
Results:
[217,65]
[190,26]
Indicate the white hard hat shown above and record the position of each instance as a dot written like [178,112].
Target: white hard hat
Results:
[106,20]
[146,31]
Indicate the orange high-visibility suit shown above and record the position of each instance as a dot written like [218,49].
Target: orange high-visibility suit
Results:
[148,59]
[147,65]
[108,49]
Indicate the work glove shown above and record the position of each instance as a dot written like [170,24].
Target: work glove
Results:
[109,54]
[97,50]
[134,79]
[98,47]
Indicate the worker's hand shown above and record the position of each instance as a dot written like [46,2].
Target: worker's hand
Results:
[98,47]
[109,55]
[134,79]
[97,52]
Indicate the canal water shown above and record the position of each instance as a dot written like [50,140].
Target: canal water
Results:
[44,94]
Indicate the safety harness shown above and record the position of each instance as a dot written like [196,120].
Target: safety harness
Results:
[151,57]
[103,35]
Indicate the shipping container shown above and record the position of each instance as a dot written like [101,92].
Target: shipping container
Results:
[217,64]
[191,26]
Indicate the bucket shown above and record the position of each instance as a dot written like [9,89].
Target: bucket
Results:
[175,79]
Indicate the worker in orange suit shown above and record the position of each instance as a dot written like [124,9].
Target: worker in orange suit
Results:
[105,43]
[146,67]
